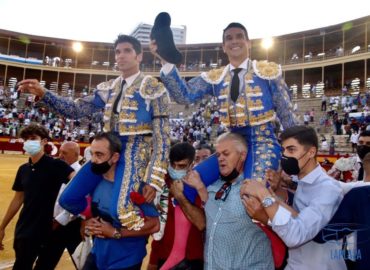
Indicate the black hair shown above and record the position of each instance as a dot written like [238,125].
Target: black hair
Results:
[115,145]
[365,133]
[305,135]
[235,25]
[205,146]
[34,129]
[129,39]
[182,151]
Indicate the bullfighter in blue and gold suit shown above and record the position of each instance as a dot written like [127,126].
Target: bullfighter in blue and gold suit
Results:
[261,97]
[136,109]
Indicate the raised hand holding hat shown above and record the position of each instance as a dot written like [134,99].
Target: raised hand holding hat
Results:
[162,35]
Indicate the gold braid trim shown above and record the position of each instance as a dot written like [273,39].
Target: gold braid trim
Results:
[266,70]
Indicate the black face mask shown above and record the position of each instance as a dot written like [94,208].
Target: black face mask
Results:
[290,165]
[100,168]
[228,178]
[362,150]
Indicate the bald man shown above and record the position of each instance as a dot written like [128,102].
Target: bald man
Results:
[69,152]
[66,227]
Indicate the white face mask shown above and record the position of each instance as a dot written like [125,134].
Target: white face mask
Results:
[32,147]
[176,174]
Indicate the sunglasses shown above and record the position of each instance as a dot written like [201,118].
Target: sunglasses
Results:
[223,192]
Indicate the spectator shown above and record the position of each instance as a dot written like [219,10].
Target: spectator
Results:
[36,188]
[324,145]
[344,101]
[323,103]
[332,146]
[66,228]
[306,118]
[354,140]
[295,107]
[115,247]
[226,220]
[362,149]
[312,115]
[87,152]
[315,202]
[338,126]
[202,153]
[339,52]
[354,213]
[181,160]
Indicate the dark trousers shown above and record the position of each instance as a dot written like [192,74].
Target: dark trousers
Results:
[90,264]
[63,237]
[26,252]
[323,106]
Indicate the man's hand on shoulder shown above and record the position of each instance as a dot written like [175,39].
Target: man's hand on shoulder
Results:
[254,209]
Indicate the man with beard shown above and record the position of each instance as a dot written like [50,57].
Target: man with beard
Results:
[136,109]
[115,247]
[363,147]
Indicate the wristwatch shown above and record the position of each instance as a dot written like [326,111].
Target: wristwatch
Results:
[268,201]
[117,234]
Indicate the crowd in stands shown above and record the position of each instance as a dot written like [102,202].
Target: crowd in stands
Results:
[199,127]
[346,114]
[14,116]
[196,128]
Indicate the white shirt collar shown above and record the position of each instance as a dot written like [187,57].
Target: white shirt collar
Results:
[131,79]
[313,175]
[76,166]
[243,65]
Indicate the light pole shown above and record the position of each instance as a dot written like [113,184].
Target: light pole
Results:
[266,44]
[77,47]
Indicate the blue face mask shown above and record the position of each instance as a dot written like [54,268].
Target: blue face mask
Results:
[176,174]
[32,147]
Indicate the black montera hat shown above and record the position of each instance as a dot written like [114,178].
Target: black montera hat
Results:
[162,34]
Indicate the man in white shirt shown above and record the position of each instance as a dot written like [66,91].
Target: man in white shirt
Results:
[354,140]
[347,109]
[306,118]
[66,227]
[70,152]
[344,101]
[87,152]
[362,148]
[352,221]
[316,199]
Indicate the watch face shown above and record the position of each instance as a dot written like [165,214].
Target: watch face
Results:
[268,201]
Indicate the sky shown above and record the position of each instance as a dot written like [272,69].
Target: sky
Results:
[91,20]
